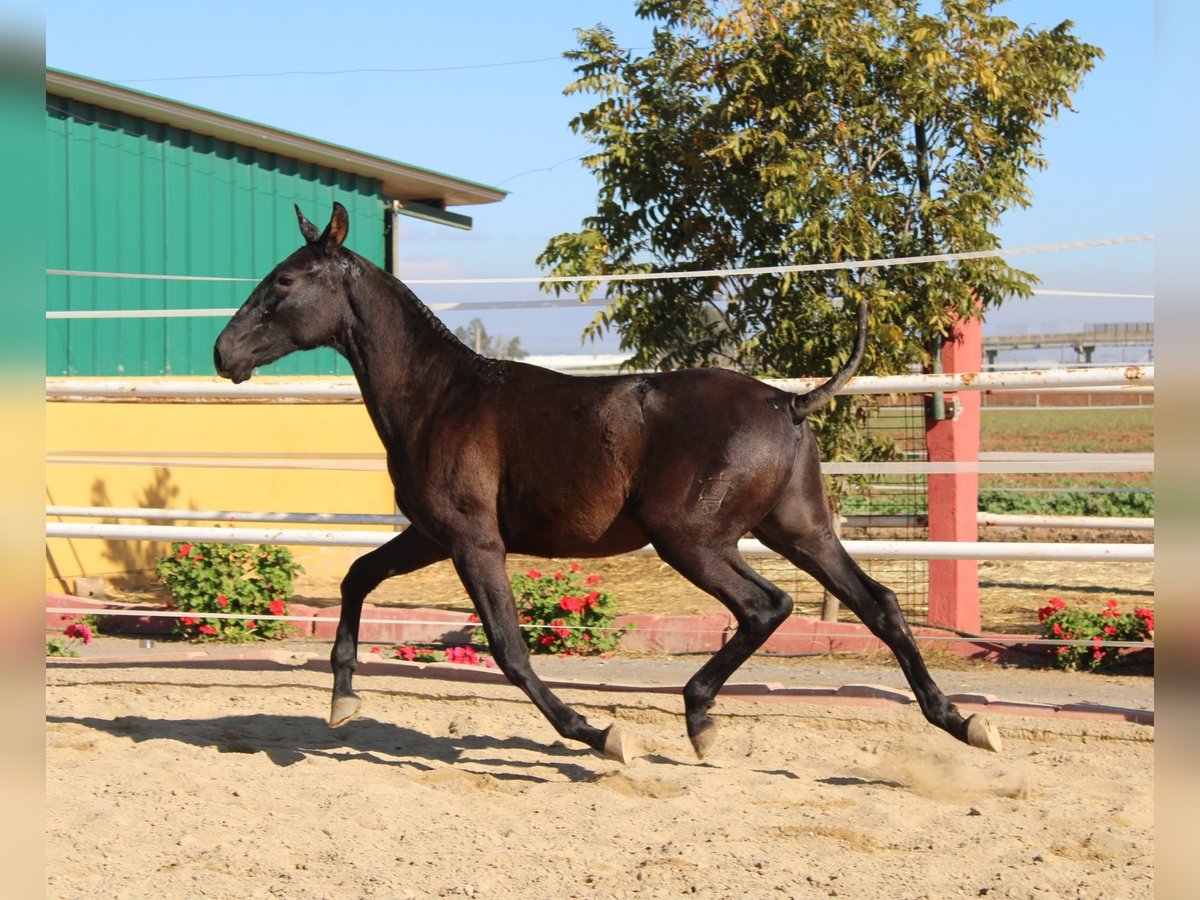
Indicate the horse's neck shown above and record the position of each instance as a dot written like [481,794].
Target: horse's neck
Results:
[402,356]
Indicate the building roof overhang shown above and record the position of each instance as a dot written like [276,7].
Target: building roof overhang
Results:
[428,189]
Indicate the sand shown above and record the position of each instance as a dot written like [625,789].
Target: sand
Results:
[219,782]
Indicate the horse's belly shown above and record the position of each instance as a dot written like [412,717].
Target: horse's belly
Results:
[574,534]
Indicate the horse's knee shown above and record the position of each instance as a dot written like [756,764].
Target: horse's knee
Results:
[766,613]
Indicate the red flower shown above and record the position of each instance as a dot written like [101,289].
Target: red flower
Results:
[79,631]
[1111,603]
[546,640]
[574,567]
[558,576]
[184,550]
[276,607]
[590,599]
[222,601]
[558,626]
[533,573]
[592,579]
[207,629]
[472,618]
[1057,629]
[188,620]
[251,624]
[374,649]
[1110,630]
[571,604]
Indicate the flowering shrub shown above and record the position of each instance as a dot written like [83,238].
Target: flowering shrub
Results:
[75,633]
[465,656]
[1076,623]
[229,578]
[569,613]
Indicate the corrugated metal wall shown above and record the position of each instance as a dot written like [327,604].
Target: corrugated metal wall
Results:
[128,195]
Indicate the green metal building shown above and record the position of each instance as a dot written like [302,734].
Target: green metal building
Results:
[142,185]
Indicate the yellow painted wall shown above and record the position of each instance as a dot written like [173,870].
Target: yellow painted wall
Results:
[156,430]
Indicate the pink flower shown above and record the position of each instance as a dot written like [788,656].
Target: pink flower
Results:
[82,632]
[574,567]
[592,579]
[374,650]
[558,576]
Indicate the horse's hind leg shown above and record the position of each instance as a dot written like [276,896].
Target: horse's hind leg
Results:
[758,605]
[824,557]
[406,552]
[481,567]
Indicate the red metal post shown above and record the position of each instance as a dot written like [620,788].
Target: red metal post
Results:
[954,499]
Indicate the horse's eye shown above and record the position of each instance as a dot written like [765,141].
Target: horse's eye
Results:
[285,280]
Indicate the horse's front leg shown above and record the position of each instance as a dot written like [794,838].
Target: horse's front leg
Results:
[480,564]
[406,552]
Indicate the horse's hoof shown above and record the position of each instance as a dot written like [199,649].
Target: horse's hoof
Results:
[615,746]
[983,734]
[703,739]
[344,709]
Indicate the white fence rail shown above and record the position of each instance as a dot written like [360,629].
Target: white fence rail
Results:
[858,549]
[346,389]
[1121,523]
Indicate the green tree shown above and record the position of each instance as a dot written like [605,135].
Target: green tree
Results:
[782,132]
[477,338]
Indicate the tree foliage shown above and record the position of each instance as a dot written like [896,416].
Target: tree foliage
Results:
[780,132]
[497,346]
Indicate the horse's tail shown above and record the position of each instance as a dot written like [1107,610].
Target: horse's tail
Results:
[804,405]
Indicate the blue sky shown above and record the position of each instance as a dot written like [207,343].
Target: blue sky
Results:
[506,125]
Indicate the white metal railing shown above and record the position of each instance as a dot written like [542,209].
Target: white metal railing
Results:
[345,388]
[859,549]
[1006,520]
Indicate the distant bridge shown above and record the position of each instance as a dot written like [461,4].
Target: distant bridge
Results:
[1084,343]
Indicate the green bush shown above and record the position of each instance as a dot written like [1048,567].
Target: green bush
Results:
[564,613]
[1077,623]
[1069,503]
[229,578]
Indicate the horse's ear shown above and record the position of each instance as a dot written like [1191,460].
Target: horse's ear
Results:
[339,224]
[311,233]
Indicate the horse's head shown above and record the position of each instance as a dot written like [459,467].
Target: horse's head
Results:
[299,306]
